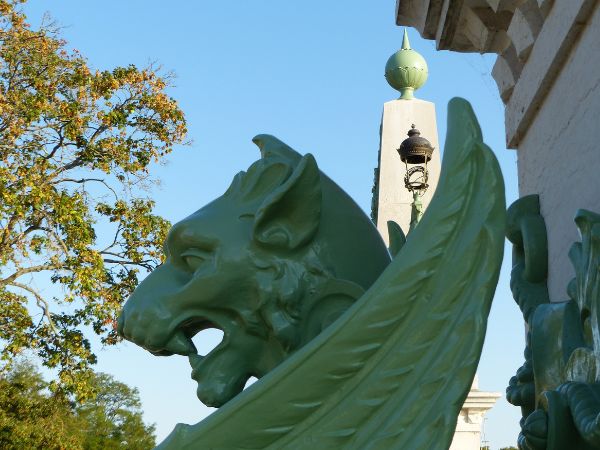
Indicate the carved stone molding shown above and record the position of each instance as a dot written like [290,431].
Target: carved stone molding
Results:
[460,25]
[532,39]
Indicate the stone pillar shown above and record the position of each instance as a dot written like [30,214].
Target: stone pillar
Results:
[393,199]
[406,71]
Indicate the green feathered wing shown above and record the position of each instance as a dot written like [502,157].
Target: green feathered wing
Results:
[395,369]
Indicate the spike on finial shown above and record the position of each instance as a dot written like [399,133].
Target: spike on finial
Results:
[405,41]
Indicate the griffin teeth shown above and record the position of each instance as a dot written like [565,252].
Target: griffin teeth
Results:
[182,345]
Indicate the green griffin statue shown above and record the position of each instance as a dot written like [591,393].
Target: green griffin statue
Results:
[352,350]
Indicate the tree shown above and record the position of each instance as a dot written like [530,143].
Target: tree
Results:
[33,417]
[113,418]
[76,146]
[29,418]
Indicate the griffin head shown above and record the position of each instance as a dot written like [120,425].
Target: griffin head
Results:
[272,262]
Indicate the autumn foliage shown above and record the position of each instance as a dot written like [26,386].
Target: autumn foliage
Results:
[76,147]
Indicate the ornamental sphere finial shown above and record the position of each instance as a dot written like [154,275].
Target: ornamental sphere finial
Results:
[406,70]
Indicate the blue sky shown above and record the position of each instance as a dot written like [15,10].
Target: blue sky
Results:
[310,73]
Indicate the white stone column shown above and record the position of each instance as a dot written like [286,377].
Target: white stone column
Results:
[470,420]
[406,71]
[393,199]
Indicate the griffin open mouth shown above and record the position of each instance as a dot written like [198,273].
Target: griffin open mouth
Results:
[222,372]
[194,325]
[190,329]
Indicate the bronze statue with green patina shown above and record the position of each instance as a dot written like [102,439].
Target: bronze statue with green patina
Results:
[352,349]
[558,386]
[271,263]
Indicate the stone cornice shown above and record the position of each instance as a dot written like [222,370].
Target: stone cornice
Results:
[531,37]
[460,25]
[480,400]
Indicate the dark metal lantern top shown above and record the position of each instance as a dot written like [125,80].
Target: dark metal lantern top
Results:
[415,149]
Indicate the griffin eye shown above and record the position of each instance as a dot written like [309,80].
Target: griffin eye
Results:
[194,258]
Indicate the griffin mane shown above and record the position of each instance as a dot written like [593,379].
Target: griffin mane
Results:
[298,298]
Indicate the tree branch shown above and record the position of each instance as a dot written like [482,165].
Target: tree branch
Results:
[85,180]
[75,163]
[115,240]
[144,263]
[20,272]
[9,227]
[59,144]
[43,304]
[55,235]
[101,129]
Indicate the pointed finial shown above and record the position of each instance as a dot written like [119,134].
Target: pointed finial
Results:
[406,70]
[413,130]
[405,41]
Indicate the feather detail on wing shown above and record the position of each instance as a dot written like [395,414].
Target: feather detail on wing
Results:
[395,369]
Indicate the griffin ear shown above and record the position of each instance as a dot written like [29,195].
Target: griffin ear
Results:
[289,216]
[272,147]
